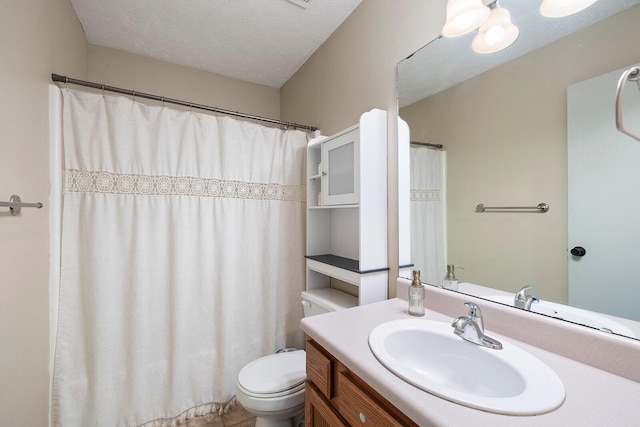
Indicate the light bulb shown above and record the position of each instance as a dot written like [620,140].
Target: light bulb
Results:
[496,33]
[464,16]
[562,8]
[464,20]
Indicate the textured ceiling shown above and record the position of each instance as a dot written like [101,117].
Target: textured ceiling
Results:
[260,41]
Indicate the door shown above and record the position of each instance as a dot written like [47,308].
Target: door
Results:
[603,199]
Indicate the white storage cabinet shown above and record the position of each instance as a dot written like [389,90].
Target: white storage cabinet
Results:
[347,209]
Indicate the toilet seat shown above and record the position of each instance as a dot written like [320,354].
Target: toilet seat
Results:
[275,375]
[287,392]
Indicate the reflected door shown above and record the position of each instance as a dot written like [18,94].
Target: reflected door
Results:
[604,199]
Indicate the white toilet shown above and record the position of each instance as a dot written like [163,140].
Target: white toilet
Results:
[272,387]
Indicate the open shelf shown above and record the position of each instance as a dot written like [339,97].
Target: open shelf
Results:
[335,207]
[344,263]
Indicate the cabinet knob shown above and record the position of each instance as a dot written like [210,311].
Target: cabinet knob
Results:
[363,418]
[324,173]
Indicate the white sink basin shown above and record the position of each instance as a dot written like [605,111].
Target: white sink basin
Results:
[428,355]
[572,314]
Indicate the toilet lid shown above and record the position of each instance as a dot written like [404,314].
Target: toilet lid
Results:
[274,373]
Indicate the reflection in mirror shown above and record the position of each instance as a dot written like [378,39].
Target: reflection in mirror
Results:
[510,124]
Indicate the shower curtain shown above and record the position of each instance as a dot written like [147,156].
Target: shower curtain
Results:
[428,218]
[181,259]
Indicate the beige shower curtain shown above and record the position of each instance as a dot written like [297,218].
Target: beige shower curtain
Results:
[428,218]
[181,258]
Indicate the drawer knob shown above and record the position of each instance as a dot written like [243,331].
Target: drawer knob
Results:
[363,418]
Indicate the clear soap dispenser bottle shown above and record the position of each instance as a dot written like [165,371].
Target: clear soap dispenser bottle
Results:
[449,281]
[416,295]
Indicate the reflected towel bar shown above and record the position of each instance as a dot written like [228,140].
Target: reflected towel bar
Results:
[631,75]
[541,208]
[15,205]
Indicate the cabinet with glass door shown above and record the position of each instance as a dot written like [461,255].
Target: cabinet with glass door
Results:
[347,210]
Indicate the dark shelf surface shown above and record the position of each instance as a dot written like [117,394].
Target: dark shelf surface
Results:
[344,263]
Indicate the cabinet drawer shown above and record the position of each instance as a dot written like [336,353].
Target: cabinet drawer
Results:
[320,370]
[359,408]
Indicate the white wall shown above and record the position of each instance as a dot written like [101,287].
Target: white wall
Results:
[37,37]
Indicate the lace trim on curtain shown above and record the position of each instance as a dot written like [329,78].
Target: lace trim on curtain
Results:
[197,416]
[77,181]
[418,195]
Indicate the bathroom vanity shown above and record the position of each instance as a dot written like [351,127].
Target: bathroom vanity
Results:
[334,393]
[347,385]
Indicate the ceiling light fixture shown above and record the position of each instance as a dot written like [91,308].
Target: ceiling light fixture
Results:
[496,33]
[562,8]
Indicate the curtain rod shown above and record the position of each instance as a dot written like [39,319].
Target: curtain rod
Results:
[69,80]
[427,144]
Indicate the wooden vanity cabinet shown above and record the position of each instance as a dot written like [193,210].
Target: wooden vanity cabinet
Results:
[336,397]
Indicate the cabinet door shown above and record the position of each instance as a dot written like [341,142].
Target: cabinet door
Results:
[318,412]
[341,174]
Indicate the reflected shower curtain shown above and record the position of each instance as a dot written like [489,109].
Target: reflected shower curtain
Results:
[428,219]
[181,259]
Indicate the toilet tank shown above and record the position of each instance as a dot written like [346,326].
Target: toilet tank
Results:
[324,300]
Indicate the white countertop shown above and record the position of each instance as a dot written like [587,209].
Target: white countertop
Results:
[593,397]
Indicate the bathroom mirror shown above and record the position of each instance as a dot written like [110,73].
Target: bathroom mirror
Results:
[504,121]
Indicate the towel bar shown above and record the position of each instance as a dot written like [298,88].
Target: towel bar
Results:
[541,208]
[15,205]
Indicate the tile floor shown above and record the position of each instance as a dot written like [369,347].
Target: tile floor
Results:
[236,417]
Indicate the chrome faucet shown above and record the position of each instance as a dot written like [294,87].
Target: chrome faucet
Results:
[471,328]
[524,301]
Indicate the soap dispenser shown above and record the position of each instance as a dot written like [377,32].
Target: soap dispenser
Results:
[416,295]
[449,281]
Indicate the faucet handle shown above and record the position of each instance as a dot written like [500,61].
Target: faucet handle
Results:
[474,310]
[475,314]
[522,300]
[521,295]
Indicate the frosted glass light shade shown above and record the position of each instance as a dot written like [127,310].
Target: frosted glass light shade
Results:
[496,33]
[464,16]
[562,8]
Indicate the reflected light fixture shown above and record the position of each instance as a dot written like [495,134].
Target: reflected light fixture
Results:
[496,33]
[464,16]
[562,8]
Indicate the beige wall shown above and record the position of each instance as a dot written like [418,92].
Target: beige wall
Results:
[505,136]
[38,37]
[355,71]
[117,68]
[352,72]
